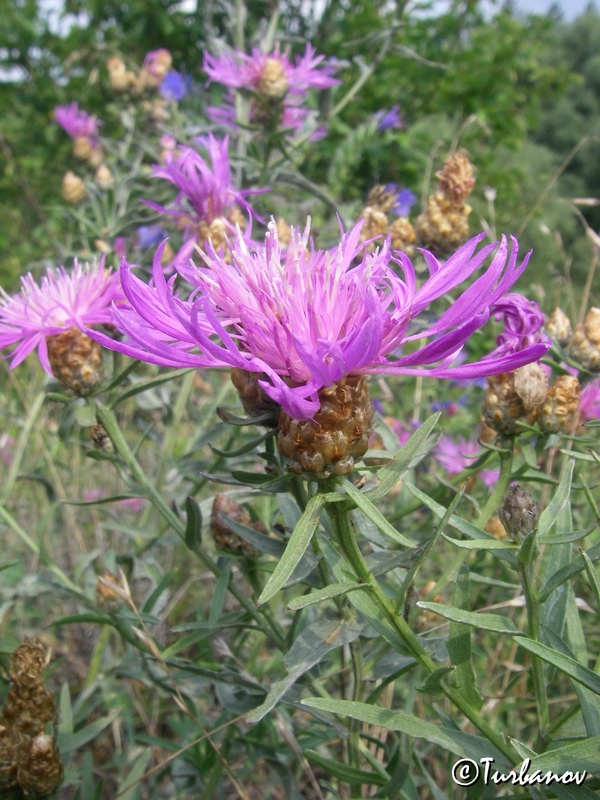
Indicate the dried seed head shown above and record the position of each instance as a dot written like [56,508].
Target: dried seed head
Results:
[107,596]
[560,412]
[382,199]
[375,224]
[558,326]
[584,346]
[76,361]
[104,177]
[28,662]
[40,768]
[12,743]
[73,188]
[503,407]
[100,438]
[82,147]
[224,537]
[444,225]
[404,236]
[519,512]
[273,83]
[456,179]
[29,708]
[337,436]
[531,384]
[255,400]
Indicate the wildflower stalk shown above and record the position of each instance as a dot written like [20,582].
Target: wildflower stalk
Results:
[109,420]
[494,500]
[21,447]
[342,527]
[533,608]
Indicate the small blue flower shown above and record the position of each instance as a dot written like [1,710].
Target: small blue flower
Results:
[405,200]
[390,119]
[175,86]
[149,235]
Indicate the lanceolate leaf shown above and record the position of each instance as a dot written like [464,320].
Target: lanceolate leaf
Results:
[373,513]
[488,622]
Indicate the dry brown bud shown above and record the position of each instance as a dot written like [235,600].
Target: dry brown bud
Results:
[531,384]
[404,236]
[73,188]
[375,224]
[444,225]
[82,147]
[40,768]
[255,400]
[76,361]
[108,594]
[337,435]
[456,179]
[12,743]
[503,408]
[519,512]
[560,412]
[225,538]
[273,83]
[28,662]
[558,326]
[104,177]
[382,199]
[584,346]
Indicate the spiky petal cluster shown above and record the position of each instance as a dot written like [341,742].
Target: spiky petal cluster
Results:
[61,300]
[307,318]
[206,192]
[75,122]
[523,323]
[274,78]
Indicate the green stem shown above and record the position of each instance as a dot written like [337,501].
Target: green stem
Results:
[494,500]
[338,513]
[21,447]
[109,420]
[354,725]
[533,607]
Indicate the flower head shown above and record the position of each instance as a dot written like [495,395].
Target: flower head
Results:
[279,84]
[523,323]
[175,86]
[392,118]
[61,301]
[75,122]
[308,318]
[458,454]
[206,195]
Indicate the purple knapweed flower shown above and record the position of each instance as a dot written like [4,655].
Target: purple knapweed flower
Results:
[207,199]
[523,323]
[589,401]
[307,318]
[392,118]
[279,84]
[175,86]
[60,301]
[456,455]
[75,122]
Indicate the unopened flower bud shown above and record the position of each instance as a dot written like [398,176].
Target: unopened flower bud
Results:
[75,360]
[404,236]
[519,512]
[73,188]
[443,225]
[12,743]
[558,326]
[560,411]
[104,177]
[225,538]
[82,147]
[255,400]
[28,662]
[584,346]
[503,407]
[40,768]
[336,437]
[531,384]
[375,224]
[107,596]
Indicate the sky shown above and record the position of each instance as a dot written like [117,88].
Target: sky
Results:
[569,8]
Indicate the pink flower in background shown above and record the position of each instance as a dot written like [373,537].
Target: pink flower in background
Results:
[307,318]
[456,455]
[61,300]
[75,122]
[589,401]
[279,85]
[205,191]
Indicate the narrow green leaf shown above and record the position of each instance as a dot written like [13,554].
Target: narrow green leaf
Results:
[550,514]
[144,386]
[459,643]
[73,741]
[261,542]
[592,577]
[373,513]
[581,756]
[333,590]
[487,622]
[245,448]
[390,474]
[433,682]
[454,741]
[565,664]
[162,587]
[571,569]
[65,716]
[130,786]
[350,775]
[193,526]
[296,547]
[554,608]
[461,525]
[219,594]
[481,544]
